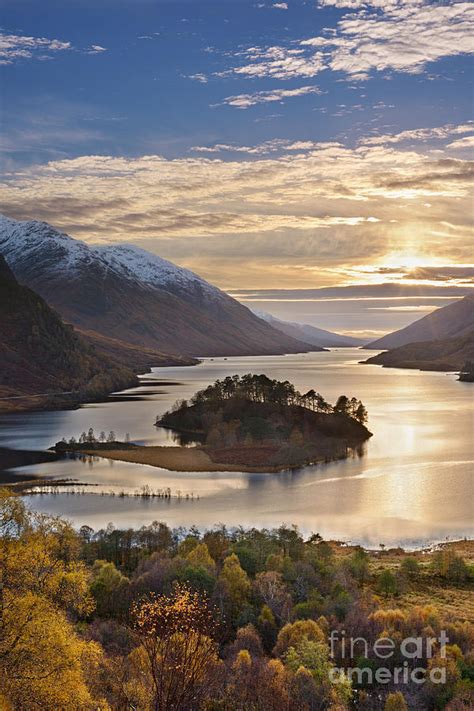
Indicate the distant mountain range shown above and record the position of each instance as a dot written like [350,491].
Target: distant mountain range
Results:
[452,321]
[449,354]
[41,355]
[124,293]
[311,334]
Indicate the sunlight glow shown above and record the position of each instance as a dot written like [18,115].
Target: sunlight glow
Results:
[405,260]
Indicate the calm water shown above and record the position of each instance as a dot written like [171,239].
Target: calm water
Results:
[413,485]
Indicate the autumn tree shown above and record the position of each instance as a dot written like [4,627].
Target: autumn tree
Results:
[199,556]
[329,686]
[234,585]
[42,660]
[395,702]
[272,591]
[173,666]
[293,633]
[109,588]
[256,684]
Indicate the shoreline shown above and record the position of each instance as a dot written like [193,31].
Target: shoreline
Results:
[14,458]
[192,459]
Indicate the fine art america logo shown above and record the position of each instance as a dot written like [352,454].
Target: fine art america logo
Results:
[412,650]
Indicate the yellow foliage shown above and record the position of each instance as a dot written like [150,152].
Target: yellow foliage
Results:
[41,658]
[243,660]
[295,632]
[176,657]
[395,702]
[235,579]
[200,557]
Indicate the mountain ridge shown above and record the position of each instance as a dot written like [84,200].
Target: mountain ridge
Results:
[42,356]
[451,321]
[448,355]
[123,292]
[311,334]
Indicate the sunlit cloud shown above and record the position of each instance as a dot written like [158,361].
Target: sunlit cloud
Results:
[281,212]
[273,146]
[421,135]
[466,143]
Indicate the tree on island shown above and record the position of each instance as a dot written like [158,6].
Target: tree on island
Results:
[262,389]
[252,420]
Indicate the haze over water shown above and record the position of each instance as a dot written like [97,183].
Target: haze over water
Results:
[412,486]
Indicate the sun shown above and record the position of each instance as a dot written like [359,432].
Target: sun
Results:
[407,260]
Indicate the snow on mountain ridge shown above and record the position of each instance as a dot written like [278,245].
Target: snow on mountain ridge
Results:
[151,269]
[30,244]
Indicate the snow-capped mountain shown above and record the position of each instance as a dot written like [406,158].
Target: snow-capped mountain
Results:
[137,264]
[127,293]
[24,243]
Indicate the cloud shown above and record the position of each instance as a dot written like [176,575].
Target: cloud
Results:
[201,78]
[358,4]
[391,37]
[14,48]
[453,274]
[363,292]
[281,211]
[271,146]
[420,134]
[245,101]
[464,143]
[405,38]
[262,149]
[275,6]
[18,47]
[279,63]
[95,49]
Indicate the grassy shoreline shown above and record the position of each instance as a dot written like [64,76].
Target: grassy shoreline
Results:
[198,459]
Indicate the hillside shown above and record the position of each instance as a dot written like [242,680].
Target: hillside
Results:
[138,358]
[40,355]
[452,321]
[311,334]
[126,293]
[448,354]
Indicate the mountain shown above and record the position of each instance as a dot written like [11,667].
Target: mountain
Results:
[41,355]
[451,321]
[125,293]
[449,354]
[311,334]
[138,358]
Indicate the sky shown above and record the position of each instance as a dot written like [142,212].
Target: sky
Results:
[310,157]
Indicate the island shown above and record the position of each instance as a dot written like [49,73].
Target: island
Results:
[244,423]
[249,423]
